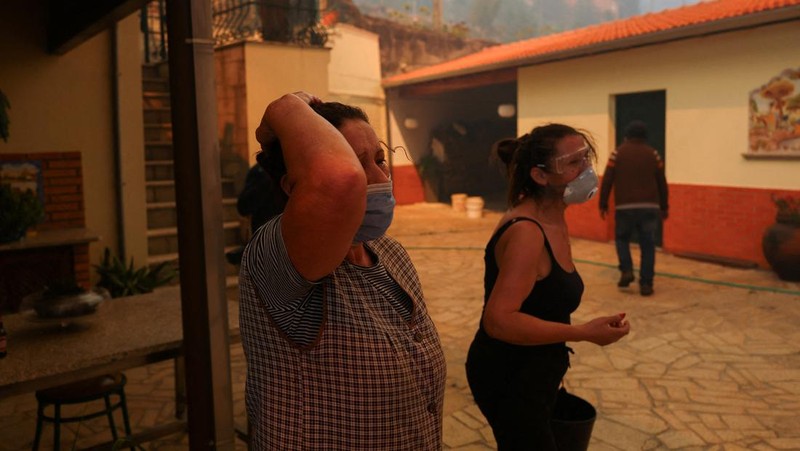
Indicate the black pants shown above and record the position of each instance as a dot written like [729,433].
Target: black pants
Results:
[516,392]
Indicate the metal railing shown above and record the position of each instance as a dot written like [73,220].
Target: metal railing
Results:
[153,22]
[289,21]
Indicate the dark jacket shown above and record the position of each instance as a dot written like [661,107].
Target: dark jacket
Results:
[636,172]
[259,199]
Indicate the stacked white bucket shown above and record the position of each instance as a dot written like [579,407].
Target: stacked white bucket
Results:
[471,205]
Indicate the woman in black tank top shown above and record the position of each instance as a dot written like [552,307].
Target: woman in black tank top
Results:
[519,355]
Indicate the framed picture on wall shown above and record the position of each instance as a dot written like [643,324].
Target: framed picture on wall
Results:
[23,176]
[775,117]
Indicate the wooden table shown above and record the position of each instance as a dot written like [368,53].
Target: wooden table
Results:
[123,333]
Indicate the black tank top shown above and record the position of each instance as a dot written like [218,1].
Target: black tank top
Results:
[553,298]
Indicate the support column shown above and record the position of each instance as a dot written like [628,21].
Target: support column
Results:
[198,192]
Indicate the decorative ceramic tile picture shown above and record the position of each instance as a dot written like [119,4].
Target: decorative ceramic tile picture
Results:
[775,116]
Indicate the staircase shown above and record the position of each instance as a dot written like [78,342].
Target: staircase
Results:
[162,225]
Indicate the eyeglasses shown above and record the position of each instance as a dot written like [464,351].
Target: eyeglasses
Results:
[572,162]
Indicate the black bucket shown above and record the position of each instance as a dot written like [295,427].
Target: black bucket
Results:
[572,423]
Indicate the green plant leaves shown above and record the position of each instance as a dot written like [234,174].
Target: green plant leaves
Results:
[18,211]
[122,279]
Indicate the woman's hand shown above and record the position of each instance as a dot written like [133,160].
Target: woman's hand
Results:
[606,329]
[264,133]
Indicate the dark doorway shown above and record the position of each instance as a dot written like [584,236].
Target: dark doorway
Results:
[651,108]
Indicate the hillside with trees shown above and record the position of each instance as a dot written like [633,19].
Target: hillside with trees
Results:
[510,20]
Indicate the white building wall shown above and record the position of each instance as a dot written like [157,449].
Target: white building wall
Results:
[354,73]
[707,81]
[273,69]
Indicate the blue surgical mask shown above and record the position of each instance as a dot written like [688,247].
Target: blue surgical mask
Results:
[379,214]
[582,188]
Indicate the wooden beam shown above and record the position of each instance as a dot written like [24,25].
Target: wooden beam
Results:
[198,198]
[72,22]
[431,88]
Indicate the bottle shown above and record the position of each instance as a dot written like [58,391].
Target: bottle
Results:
[2,339]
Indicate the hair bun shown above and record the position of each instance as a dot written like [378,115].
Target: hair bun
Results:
[505,149]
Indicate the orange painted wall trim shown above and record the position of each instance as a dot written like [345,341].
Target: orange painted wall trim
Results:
[407,185]
[713,220]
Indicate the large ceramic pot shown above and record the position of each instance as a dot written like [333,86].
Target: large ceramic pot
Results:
[781,245]
[64,306]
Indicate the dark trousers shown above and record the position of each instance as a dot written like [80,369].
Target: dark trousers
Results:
[643,221]
[517,393]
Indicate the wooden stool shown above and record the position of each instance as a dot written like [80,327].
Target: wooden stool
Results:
[101,387]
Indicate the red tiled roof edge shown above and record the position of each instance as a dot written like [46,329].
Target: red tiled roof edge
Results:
[596,37]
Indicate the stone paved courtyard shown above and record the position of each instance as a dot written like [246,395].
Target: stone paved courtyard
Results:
[712,362]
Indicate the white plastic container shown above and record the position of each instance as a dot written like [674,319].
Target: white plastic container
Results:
[458,201]
[474,207]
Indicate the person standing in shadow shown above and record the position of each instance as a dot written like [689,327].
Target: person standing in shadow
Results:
[261,199]
[636,173]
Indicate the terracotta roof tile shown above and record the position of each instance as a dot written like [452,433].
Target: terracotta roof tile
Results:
[671,19]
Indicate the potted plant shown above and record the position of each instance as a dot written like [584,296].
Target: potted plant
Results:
[20,210]
[127,280]
[63,298]
[781,241]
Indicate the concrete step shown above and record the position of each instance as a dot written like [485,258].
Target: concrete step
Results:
[157,115]
[158,170]
[164,190]
[154,83]
[165,240]
[158,150]
[173,260]
[155,99]
[156,70]
[160,191]
[162,215]
[157,132]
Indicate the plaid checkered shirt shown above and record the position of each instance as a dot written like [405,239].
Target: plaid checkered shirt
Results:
[369,381]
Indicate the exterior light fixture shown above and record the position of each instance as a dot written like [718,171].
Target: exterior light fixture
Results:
[506,110]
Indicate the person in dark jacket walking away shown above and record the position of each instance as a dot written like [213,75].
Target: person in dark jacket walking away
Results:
[636,173]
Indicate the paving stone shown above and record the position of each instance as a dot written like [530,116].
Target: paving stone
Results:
[741,422]
[693,356]
[608,381]
[647,344]
[784,443]
[704,433]
[468,420]
[734,447]
[650,369]
[631,398]
[618,434]
[680,439]
[456,433]
[642,420]
[667,353]
[712,421]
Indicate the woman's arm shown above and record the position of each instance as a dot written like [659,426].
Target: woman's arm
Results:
[325,182]
[519,254]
